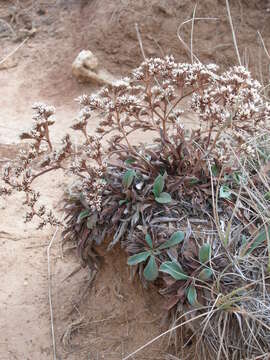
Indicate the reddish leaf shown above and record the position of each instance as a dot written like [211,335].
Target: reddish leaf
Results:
[190,250]
[169,281]
[181,293]
[117,215]
[171,302]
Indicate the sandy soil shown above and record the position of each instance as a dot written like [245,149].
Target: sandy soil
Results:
[115,315]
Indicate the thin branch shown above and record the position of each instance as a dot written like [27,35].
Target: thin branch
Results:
[55,167]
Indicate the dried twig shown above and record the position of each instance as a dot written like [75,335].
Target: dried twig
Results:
[13,51]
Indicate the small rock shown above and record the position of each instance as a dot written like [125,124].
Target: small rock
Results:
[86,59]
[85,69]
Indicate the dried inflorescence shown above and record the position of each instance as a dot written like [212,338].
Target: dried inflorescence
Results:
[230,105]
[39,159]
[148,196]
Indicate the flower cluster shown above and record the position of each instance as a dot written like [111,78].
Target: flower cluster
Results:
[40,129]
[92,191]
[90,168]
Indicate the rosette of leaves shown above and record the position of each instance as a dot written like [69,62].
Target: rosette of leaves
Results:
[151,254]
[201,273]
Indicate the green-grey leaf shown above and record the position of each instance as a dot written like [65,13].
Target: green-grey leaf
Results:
[243,240]
[84,214]
[137,258]
[237,177]
[130,161]
[163,198]
[149,240]
[205,253]
[194,181]
[175,239]
[128,178]
[174,269]
[192,295]
[151,270]
[267,195]
[205,274]
[225,192]
[158,185]
[91,221]
[257,242]
[214,170]
[123,201]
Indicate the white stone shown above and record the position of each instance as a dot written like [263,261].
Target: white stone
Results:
[85,69]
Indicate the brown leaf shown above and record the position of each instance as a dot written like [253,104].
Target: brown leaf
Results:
[181,293]
[117,215]
[171,302]
[174,299]
[190,250]
[169,281]
[252,229]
